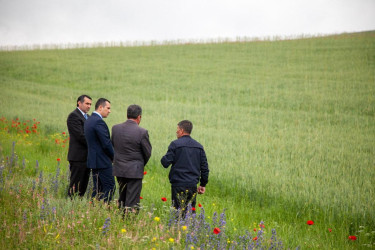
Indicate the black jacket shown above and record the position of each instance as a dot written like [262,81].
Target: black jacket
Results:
[77,143]
[189,163]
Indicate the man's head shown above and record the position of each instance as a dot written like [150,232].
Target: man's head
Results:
[84,103]
[184,128]
[103,107]
[134,112]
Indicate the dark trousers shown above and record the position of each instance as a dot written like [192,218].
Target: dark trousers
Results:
[182,196]
[129,192]
[79,178]
[104,184]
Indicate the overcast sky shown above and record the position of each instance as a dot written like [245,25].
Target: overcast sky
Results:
[27,22]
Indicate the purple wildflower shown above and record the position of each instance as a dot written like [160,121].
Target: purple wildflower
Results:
[106,225]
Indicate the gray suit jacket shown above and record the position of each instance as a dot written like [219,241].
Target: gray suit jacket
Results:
[132,149]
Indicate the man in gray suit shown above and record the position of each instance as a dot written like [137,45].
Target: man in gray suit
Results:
[132,151]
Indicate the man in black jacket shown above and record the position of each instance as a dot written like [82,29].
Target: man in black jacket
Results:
[189,167]
[77,154]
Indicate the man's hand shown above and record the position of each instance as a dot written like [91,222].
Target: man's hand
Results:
[201,190]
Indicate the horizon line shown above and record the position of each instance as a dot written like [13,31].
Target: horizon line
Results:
[147,43]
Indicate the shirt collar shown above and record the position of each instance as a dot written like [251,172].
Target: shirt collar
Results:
[98,114]
[83,113]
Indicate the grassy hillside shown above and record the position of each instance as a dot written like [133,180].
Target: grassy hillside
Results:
[288,126]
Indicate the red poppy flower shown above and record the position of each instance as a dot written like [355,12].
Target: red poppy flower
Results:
[352,237]
[255,238]
[310,222]
[145,172]
[262,225]
[163,199]
[58,159]
[193,208]
[140,197]
[199,205]
[330,229]
[63,133]
[255,229]
[216,230]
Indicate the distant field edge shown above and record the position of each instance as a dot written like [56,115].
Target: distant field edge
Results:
[137,43]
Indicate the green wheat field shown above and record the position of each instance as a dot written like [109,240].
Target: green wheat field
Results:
[288,127]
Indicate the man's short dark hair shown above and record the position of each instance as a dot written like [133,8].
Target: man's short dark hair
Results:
[101,102]
[134,111]
[81,98]
[186,125]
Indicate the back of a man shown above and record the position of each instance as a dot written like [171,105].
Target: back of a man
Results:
[189,167]
[188,155]
[132,151]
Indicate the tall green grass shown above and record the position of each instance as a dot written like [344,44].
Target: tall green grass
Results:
[288,126]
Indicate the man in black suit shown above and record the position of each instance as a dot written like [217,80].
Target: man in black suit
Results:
[132,152]
[100,151]
[77,154]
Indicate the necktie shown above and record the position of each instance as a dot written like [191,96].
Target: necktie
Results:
[86,116]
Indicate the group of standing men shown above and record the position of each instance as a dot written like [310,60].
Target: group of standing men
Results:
[126,153]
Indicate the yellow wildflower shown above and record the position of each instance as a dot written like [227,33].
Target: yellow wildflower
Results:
[156,219]
[184,228]
[171,240]
[123,230]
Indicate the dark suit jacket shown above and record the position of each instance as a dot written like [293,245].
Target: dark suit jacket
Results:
[77,143]
[100,150]
[132,149]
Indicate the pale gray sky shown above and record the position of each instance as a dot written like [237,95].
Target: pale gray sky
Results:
[27,22]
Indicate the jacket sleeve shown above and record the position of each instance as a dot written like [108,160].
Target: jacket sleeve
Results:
[104,138]
[204,169]
[168,158]
[75,128]
[146,147]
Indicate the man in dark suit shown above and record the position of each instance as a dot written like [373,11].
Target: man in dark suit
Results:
[77,154]
[100,151]
[132,152]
